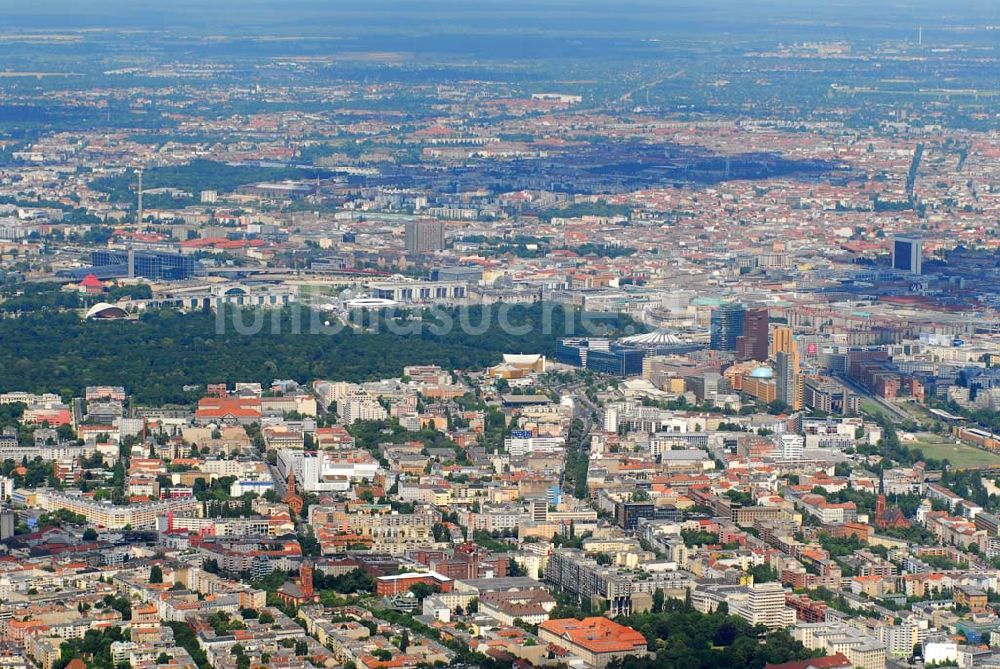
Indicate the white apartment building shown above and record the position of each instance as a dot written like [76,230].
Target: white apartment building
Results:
[353,409]
[791,446]
[521,444]
[831,637]
[326,471]
[256,480]
[29,398]
[105,514]
[333,391]
[221,467]
[765,605]
[900,639]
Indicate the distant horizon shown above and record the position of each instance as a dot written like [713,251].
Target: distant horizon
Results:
[310,17]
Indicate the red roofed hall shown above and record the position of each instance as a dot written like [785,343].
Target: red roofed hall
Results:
[838,661]
[596,640]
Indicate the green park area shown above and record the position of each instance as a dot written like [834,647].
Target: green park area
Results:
[961,456]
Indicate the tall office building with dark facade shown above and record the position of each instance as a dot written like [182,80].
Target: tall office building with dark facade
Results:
[907,253]
[753,343]
[727,326]
[424,236]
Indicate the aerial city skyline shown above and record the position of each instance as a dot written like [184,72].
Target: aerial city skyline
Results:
[585,335]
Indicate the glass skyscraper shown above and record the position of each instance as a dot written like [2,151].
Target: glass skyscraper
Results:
[727,326]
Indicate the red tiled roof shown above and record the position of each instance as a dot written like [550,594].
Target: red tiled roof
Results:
[596,634]
[837,661]
[217,407]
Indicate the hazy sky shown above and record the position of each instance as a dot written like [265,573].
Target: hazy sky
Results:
[314,15]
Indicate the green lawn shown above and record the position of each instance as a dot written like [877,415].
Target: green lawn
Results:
[871,408]
[959,455]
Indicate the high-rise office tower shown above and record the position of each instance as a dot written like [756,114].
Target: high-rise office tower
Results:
[907,253]
[424,236]
[727,326]
[753,343]
[788,378]
[782,340]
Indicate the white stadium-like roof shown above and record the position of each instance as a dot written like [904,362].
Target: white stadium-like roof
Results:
[654,338]
[521,358]
[105,310]
[370,303]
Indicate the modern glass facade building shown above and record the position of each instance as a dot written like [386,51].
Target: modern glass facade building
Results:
[154,265]
[727,326]
[617,361]
[601,355]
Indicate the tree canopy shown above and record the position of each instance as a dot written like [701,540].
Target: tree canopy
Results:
[156,356]
[683,638]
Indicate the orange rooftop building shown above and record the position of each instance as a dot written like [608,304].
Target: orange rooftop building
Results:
[224,410]
[596,640]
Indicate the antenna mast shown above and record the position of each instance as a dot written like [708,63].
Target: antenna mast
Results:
[139,208]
